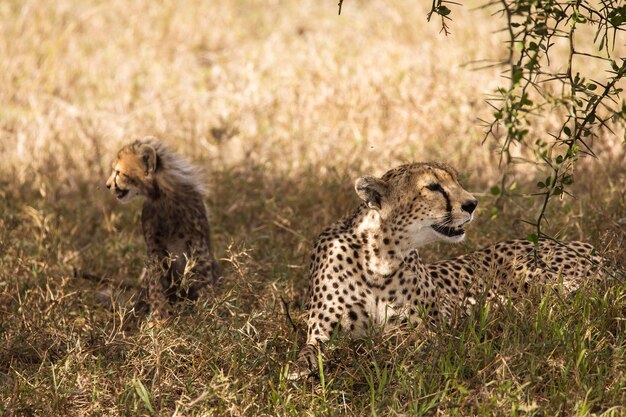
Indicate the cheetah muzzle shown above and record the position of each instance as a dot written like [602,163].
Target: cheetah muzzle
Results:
[120,194]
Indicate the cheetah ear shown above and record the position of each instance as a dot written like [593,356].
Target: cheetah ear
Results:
[148,157]
[371,190]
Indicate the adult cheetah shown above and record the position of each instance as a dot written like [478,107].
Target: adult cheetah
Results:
[174,219]
[365,268]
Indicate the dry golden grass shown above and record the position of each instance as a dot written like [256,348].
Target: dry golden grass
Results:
[283,104]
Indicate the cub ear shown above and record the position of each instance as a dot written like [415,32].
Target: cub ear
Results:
[371,190]
[148,157]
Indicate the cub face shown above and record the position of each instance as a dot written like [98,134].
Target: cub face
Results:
[133,171]
[420,202]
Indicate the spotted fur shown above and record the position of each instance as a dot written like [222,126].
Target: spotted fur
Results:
[174,219]
[365,269]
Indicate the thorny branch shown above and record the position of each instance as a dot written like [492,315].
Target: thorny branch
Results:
[533,28]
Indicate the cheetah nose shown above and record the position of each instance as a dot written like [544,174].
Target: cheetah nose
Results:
[469,206]
[108,185]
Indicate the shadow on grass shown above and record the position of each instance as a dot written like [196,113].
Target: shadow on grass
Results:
[59,340]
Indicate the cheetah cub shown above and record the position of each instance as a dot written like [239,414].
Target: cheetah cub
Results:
[174,218]
[365,269]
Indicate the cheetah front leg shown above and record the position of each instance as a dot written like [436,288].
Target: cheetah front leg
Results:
[320,328]
[152,297]
[199,280]
[307,363]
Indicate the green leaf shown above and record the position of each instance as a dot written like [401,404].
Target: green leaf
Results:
[517,74]
[143,393]
[618,16]
[567,131]
[581,356]
[541,185]
[541,29]
[526,101]
[614,66]
[443,11]
[533,238]
[591,86]
[495,190]
[461,388]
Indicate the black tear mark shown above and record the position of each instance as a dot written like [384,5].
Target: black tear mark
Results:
[439,189]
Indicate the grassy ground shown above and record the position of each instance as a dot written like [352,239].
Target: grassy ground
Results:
[284,104]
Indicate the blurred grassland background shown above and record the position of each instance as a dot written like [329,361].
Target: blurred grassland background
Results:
[284,104]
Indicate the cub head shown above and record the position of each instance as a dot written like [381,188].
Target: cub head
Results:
[133,171]
[418,203]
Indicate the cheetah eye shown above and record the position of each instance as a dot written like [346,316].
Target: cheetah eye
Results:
[434,187]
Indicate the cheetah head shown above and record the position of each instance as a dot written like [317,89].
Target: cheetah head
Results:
[133,171]
[418,203]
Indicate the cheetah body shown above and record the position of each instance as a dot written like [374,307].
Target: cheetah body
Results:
[366,269]
[174,220]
